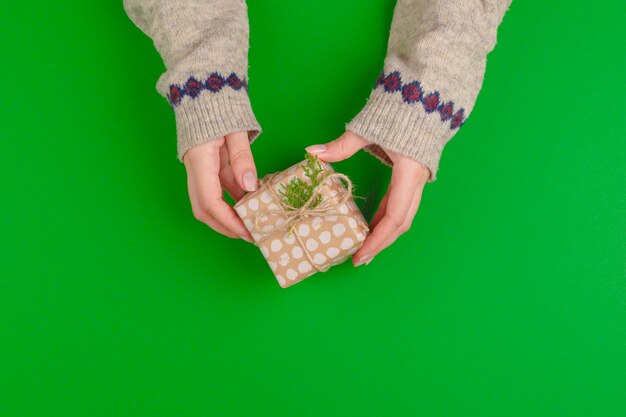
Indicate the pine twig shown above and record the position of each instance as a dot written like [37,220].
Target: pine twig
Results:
[298,191]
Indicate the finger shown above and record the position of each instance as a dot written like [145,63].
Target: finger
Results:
[229,184]
[339,149]
[382,207]
[223,152]
[390,226]
[380,212]
[202,215]
[227,178]
[394,221]
[200,161]
[210,197]
[411,215]
[241,160]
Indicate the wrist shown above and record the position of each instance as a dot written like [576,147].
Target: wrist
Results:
[409,120]
[210,116]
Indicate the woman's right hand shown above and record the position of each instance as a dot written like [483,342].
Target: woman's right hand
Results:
[223,164]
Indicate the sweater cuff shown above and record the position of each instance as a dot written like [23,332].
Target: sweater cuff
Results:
[212,115]
[389,122]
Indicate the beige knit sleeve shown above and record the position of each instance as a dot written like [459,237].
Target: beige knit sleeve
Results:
[432,74]
[204,46]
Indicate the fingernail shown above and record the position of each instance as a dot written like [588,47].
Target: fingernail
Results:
[250,181]
[363,260]
[315,149]
[246,238]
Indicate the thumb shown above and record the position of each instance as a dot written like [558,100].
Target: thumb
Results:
[241,160]
[339,149]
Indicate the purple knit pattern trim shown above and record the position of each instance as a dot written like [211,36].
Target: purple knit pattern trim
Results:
[213,83]
[412,92]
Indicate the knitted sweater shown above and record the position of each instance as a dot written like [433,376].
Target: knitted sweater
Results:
[432,73]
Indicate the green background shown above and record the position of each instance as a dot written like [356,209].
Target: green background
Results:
[507,297]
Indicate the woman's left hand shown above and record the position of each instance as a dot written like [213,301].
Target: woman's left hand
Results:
[399,205]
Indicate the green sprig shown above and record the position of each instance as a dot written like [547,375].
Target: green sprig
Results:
[298,191]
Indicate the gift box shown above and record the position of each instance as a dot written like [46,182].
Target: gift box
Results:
[304,220]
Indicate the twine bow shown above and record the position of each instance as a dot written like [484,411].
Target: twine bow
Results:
[295,215]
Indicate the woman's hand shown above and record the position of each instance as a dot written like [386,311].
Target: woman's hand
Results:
[223,164]
[399,205]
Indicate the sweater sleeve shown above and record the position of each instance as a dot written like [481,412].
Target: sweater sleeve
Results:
[204,46]
[432,74]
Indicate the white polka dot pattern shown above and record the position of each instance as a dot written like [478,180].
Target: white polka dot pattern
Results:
[266,197]
[304,267]
[289,238]
[292,274]
[253,204]
[281,280]
[317,242]
[316,223]
[347,243]
[303,230]
[297,252]
[276,245]
[319,259]
[339,229]
[311,245]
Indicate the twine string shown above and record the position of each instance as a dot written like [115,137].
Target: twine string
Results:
[295,215]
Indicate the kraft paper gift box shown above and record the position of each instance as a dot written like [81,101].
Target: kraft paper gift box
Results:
[298,241]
